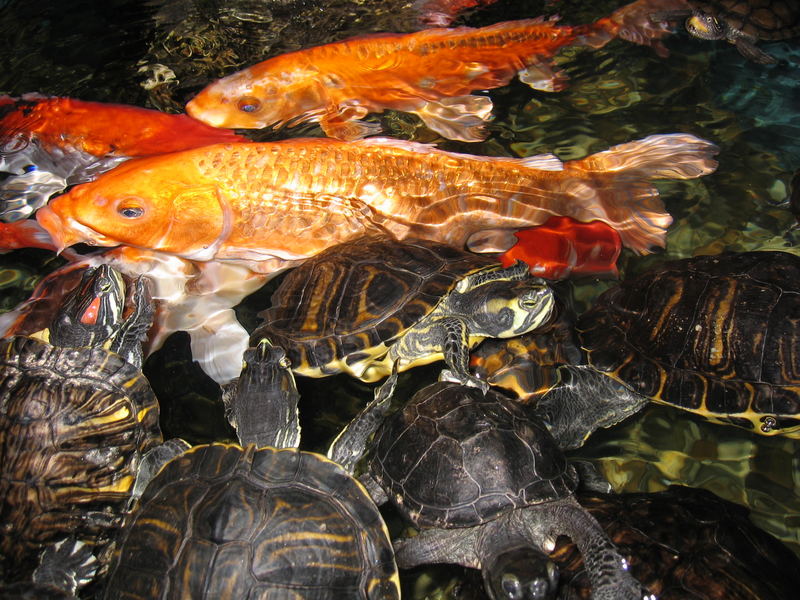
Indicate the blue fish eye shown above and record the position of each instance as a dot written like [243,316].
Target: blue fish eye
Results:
[131,212]
[249,104]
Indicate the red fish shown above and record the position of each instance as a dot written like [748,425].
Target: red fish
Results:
[563,247]
[269,205]
[48,143]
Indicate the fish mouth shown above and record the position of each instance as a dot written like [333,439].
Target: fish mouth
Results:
[66,233]
[206,114]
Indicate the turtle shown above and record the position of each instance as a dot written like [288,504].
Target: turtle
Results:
[76,418]
[480,476]
[374,306]
[741,22]
[716,335]
[684,543]
[222,521]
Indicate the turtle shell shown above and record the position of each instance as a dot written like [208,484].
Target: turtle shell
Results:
[74,424]
[453,457]
[220,521]
[685,544]
[761,19]
[716,335]
[345,306]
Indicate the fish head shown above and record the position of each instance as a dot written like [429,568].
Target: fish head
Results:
[269,94]
[143,204]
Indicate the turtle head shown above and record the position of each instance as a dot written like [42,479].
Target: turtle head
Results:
[92,312]
[521,574]
[706,27]
[505,308]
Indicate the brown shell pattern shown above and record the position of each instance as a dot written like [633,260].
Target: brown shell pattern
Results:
[762,19]
[299,523]
[358,295]
[74,423]
[716,335]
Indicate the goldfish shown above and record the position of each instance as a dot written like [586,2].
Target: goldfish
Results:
[562,247]
[271,205]
[49,143]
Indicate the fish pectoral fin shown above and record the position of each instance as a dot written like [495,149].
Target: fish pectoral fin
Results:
[348,131]
[458,118]
[543,77]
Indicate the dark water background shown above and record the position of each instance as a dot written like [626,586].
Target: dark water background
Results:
[157,54]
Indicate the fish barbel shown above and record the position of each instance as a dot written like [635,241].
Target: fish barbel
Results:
[272,204]
[49,143]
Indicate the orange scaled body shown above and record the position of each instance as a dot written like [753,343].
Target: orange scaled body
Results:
[270,205]
[430,73]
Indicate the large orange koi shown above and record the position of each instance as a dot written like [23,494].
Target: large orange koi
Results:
[430,73]
[48,143]
[269,205]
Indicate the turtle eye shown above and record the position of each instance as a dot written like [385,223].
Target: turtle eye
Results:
[249,104]
[131,211]
[285,362]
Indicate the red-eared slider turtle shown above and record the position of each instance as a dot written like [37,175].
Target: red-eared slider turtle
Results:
[76,417]
[741,22]
[220,521]
[374,305]
[480,477]
[715,335]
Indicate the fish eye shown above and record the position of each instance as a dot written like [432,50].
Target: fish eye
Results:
[131,211]
[249,104]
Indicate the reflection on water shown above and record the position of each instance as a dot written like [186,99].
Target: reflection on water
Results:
[157,54]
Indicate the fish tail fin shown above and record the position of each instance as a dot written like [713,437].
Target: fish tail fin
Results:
[624,189]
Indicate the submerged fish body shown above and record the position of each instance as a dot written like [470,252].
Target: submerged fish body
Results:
[431,73]
[49,143]
[269,205]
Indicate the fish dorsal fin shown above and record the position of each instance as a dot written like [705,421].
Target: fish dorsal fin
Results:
[543,162]
[395,143]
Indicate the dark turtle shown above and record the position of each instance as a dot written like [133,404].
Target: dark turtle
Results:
[481,476]
[220,521]
[741,22]
[683,543]
[715,335]
[374,305]
[76,417]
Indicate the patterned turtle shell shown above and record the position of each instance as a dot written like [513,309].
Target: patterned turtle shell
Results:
[344,307]
[220,521]
[74,424]
[761,19]
[453,457]
[716,335]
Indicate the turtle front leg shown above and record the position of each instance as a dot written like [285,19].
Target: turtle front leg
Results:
[455,347]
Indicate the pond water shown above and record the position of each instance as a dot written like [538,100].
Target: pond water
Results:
[157,54]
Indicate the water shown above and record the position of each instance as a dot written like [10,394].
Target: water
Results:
[157,54]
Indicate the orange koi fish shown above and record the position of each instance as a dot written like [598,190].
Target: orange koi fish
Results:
[563,247]
[48,143]
[430,73]
[269,205]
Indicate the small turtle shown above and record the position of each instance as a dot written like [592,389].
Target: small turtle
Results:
[714,335]
[221,521]
[76,417]
[375,305]
[481,476]
[741,22]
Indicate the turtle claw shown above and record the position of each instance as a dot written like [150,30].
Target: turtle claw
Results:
[469,380]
